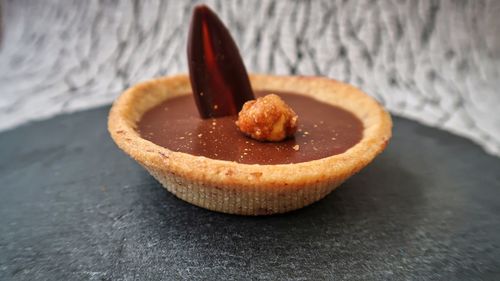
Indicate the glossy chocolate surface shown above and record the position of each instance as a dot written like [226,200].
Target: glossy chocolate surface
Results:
[324,130]
[218,76]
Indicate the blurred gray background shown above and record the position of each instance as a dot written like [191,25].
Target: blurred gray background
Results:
[434,61]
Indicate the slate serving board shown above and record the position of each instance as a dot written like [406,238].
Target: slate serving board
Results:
[74,207]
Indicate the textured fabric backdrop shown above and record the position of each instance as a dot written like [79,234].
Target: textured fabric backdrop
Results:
[433,61]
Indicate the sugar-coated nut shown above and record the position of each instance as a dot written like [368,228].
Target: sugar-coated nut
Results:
[267,118]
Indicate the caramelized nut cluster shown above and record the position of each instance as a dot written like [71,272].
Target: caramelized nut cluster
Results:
[267,118]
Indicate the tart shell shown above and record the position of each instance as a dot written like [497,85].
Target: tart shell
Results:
[249,189]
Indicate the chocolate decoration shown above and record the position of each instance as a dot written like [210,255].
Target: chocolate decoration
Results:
[218,76]
[324,130]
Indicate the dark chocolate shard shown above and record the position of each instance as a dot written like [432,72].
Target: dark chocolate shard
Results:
[218,76]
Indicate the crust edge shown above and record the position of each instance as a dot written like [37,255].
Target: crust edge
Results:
[245,189]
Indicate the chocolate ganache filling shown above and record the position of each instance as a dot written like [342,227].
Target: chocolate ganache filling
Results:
[203,123]
[324,130]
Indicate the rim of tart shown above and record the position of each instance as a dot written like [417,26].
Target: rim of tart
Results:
[250,189]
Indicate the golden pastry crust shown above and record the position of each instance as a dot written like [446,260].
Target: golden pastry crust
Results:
[245,189]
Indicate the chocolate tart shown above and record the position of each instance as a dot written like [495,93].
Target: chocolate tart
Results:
[249,189]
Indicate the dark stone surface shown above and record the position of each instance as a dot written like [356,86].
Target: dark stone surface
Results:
[74,207]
